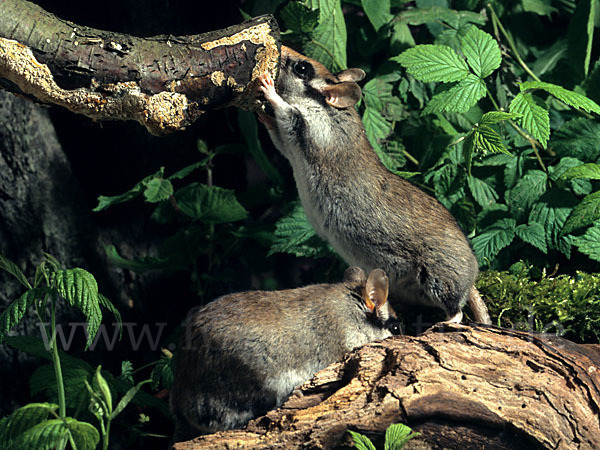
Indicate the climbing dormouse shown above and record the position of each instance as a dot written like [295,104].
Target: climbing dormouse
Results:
[370,216]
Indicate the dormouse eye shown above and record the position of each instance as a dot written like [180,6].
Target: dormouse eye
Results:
[304,70]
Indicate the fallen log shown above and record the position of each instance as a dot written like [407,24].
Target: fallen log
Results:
[462,387]
[163,82]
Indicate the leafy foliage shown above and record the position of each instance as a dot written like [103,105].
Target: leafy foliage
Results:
[396,437]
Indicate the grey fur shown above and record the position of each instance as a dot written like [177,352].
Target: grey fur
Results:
[244,353]
[370,216]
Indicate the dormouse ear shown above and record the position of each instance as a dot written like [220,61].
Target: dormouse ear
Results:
[355,275]
[342,95]
[351,75]
[376,292]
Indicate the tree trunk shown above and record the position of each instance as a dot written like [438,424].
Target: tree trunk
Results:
[460,386]
[163,82]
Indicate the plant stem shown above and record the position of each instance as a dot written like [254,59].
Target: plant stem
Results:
[511,43]
[60,386]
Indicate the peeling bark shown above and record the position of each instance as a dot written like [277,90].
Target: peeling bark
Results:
[163,82]
[461,387]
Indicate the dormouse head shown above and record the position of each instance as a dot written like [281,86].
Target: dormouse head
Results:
[301,76]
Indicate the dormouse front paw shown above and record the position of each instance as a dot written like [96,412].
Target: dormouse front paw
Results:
[267,86]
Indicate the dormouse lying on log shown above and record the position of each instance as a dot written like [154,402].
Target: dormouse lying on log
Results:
[243,354]
[370,216]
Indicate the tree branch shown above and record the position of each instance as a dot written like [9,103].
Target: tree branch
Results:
[460,386]
[163,82]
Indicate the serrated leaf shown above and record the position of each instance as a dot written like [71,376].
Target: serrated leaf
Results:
[493,239]
[85,435]
[534,116]
[43,381]
[78,287]
[590,171]
[22,420]
[299,18]
[157,190]
[330,35]
[361,442]
[209,204]
[104,202]
[589,242]
[45,435]
[551,211]
[107,304]
[128,397]
[377,11]
[455,19]
[486,139]
[574,99]
[494,117]
[459,98]
[140,265]
[162,373]
[10,267]
[533,234]
[482,192]
[579,138]
[15,311]
[482,52]
[584,214]
[538,7]
[526,192]
[397,435]
[376,126]
[294,234]
[433,63]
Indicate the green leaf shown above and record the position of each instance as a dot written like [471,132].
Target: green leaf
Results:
[376,126]
[209,204]
[157,190]
[361,442]
[435,13]
[22,420]
[294,234]
[162,373]
[397,435]
[526,192]
[10,267]
[85,435]
[299,18]
[484,139]
[590,171]
[535,117]
[579,138]
[584,214]
[533,234]
[378,12]
[581,35]
[551,211]
[493,239]
[571,98]
[482,52]
[538,7]
[107,304]
[104,202]
[459,98]
[127,398]
[482,192]
[494,117]
[180,174]
[328,44]
[589,243]
[430,63]
[80,289]
[13,314]
[43,382]
[136,265]
[249,128]
[46,435]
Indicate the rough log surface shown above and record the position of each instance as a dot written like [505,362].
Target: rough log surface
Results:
[163,82]
[459,386]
